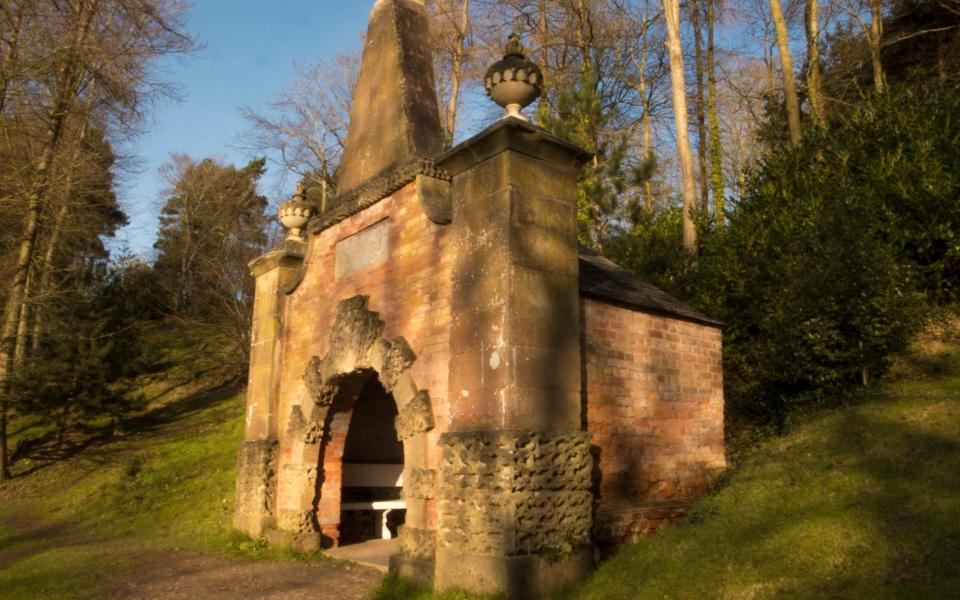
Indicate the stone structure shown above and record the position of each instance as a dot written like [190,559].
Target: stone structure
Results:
[546,400]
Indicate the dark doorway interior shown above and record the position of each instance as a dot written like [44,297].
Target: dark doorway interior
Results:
[371,500]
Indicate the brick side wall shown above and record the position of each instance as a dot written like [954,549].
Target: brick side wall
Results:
[411,292]
[655,408]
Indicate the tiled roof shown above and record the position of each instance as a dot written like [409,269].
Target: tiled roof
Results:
[604,279]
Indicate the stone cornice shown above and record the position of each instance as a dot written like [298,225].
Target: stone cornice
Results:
[373,191]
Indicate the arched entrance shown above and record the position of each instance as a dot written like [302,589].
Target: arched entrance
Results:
[371,503]
[362,387]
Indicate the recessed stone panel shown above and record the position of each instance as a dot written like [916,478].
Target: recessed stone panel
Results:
[362,250]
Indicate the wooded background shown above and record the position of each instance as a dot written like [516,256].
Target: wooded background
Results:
[788,166]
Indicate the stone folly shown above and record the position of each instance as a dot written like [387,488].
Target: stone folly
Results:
[436,359]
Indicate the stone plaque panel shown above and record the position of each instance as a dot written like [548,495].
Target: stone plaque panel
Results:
[362,250]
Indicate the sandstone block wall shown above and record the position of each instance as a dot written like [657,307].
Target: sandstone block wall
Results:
[655,411]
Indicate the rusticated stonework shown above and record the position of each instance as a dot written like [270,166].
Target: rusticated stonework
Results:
[515,493]
[397,358]
[296,521]
[421,483]
[356,345]
[307,431]
[416,417]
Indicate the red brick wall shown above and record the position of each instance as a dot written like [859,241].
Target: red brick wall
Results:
[655,407]
[411,293]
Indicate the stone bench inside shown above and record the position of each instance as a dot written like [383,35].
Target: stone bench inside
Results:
[381,478]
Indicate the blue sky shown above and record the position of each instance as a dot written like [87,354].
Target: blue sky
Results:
[250,49]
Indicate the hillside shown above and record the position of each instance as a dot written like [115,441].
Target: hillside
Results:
[862,501]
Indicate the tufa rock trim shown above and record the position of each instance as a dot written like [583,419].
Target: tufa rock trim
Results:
[356,345]
[513,493]
[421,483]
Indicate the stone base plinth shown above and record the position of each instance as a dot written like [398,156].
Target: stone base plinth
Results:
[517,577]
[254,525]
[417,570]
[298,542]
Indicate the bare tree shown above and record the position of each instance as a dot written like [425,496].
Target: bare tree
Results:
[814,85]
[671,11]
[713,112]
[450,28]
[112,42]
[786,63]
[303,129]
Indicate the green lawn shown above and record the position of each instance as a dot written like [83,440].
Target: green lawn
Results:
[168,483]
[859,502]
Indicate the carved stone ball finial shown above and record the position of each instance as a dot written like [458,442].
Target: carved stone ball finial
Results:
[294,214]
[514,82]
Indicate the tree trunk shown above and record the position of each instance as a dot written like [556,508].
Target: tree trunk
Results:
[46,275]
[814,87]
[699,105]
[14,306]
[585,36]
[10,58]
[53,240]
[875,39]
[786,63]
[671,10]
[645,99]
[716,142]
[544,49]
[66,84]
[456,74]
[20,351]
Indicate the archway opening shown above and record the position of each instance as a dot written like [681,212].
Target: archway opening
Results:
[372,506]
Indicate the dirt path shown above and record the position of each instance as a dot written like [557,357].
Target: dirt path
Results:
[181,576]
[176,575]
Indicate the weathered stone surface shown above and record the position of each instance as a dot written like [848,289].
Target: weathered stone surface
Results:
[355,332]
[256,485]
[396,357]
[420,483]
[515,220]
[515,493]
[378,188]
[361,250]
[355,345]
[416,417]
[308,431]
[417,543]
[296,521]
[436,198]
[394,117]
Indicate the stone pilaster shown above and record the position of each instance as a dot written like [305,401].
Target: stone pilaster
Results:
[274,272]
[514,506]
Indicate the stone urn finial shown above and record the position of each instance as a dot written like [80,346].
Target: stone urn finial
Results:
[294,214]
[514,82]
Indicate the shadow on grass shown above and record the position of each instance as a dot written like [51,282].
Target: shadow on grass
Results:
[45,450]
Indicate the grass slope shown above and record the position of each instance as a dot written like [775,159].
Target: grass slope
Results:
[71,518]
[862,501]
